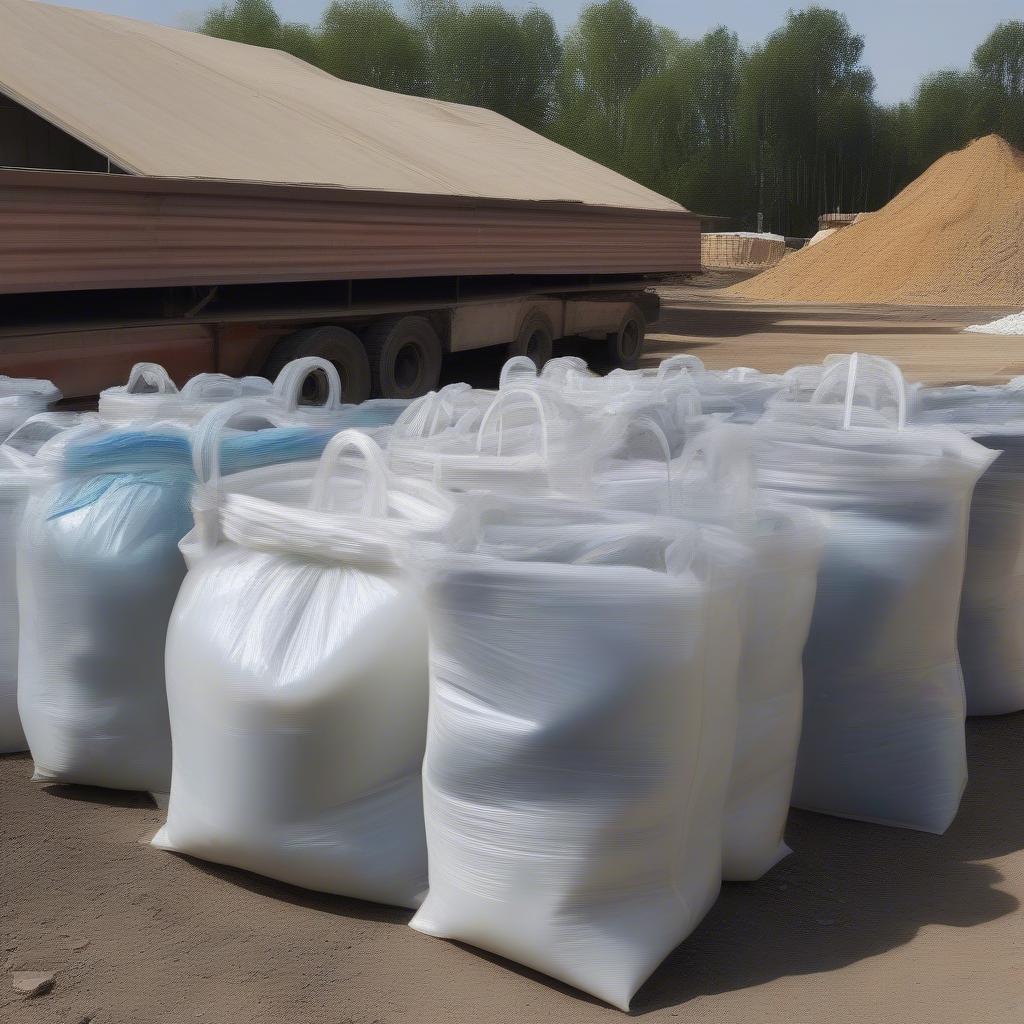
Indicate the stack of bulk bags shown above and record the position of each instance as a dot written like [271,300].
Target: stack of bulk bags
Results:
[713,482]
[580,735]
[297,677]
[22,397]
[991,631]
[17,458]
[883,732]
[98,572]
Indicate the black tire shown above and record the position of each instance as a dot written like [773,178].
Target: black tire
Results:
[405,356]
[626,345]
[536,338]
[335,344]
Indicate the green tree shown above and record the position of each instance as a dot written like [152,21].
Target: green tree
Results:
[365,41]
[489,57]
[682,132]
[256,22]
[607,55]
[998,64]
[807,102]
[946,114]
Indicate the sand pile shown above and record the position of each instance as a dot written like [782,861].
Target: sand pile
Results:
[953,237]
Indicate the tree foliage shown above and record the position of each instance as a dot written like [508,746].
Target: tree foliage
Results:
[365,41]
[788,128]
[489,57]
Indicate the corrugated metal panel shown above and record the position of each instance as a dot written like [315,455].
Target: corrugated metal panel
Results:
[66,231]
[160,101]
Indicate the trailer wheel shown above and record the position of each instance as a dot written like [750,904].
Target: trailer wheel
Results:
[405,356]
[536,338]
[626,345]
[335,344]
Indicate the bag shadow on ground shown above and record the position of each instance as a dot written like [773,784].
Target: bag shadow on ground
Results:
[851,890]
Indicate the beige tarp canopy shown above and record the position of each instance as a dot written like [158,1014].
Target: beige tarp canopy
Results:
[164,102]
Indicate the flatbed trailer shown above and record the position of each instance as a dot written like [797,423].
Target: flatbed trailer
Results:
[99,271]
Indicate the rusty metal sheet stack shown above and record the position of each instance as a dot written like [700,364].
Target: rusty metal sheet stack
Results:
[246,165]
[63,231]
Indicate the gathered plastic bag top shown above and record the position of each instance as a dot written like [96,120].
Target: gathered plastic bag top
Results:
[18,452]
[851,438]
[27,390]
[738,394]
[348,506]
[525,440]
[432,414]
[671,401]
[571,531]
[712,478]
[22,397]
[971,408]
[164,439]
[150,394]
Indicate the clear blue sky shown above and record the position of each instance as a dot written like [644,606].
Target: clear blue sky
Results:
[905,38]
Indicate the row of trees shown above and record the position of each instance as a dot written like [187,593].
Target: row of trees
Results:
[788,128]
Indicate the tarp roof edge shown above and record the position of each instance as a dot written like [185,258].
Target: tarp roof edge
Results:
[506,160]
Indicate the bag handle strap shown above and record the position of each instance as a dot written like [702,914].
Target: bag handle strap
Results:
[154,376]
[288,386]
[647,425]
[853,367]
[496,409]
[375,497]
[208,434]
[516,369]
[674,365]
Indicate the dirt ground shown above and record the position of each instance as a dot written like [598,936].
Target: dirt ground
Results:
[926,341]
[727,331]
[861,924]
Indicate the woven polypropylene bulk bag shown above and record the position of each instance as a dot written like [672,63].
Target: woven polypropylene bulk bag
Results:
[883,733]
[580,734]
[98,571]
[712,481]
[990,637]
[17,466]
[297,679]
